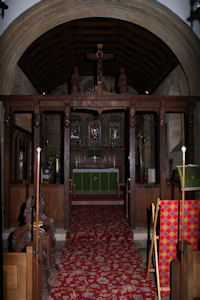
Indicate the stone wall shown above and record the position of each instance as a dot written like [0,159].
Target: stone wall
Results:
[21,84]
[175,84]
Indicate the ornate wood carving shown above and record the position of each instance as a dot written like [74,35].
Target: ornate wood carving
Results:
[49,227]
[37,120]
[67,119]
[100,57]
[7,119]
[122,81]
[132,120]
[25,235]
[75,81]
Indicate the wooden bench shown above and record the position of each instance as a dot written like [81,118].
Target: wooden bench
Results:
[18,275]
[191,275]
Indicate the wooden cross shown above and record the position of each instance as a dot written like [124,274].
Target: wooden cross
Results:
[99,56]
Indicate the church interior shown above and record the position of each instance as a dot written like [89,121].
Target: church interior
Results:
[100,139]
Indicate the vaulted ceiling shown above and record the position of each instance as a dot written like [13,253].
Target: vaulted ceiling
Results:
[49,61]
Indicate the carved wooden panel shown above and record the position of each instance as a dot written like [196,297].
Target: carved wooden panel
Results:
[18,269]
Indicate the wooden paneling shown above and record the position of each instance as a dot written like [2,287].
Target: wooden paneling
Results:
[54,199]
[146,194]
[18,270]
[196,274]
[18,195]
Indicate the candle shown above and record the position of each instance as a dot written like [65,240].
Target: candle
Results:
[57,165]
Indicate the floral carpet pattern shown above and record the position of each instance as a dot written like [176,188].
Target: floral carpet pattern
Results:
[99,260]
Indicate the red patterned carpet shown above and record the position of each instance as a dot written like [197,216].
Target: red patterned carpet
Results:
[100,260]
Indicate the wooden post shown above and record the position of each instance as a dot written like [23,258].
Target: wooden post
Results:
[189,132]
[182,221]
[66,203]
[29,275]
[132,166]
[7,166]
[141,162]
[189,139]
[162,151]
[36,143]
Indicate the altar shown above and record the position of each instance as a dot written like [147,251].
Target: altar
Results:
[96,180]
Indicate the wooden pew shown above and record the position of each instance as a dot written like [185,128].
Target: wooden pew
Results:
[18,275]
[24,236]
[191,275]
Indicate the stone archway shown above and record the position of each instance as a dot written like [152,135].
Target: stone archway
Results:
[151,15]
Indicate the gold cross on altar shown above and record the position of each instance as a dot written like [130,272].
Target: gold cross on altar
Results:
[99,56]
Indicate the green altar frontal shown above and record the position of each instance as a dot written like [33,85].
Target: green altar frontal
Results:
[96,180]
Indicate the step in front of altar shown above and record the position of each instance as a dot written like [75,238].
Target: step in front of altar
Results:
[98,201]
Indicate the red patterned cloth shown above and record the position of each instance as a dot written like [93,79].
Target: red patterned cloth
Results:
[168,240]
[100,260]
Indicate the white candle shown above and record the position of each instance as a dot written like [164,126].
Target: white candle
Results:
[57,165]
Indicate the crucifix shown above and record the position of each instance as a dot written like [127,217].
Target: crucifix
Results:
[99,56]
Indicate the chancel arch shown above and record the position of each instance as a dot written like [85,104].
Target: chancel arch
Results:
[47,15]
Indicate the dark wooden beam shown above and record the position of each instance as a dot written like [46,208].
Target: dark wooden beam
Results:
[162,150]
[132,167]
[36,143]
[7,165]
[66,202]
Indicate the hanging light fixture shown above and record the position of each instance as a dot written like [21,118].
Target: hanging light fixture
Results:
[3,6]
